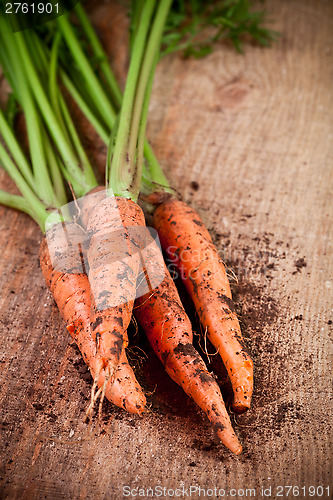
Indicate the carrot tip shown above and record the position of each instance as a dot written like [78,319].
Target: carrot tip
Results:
[230,441]
[240,406]
[238,450]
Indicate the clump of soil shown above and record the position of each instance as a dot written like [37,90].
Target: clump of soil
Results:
[299,264]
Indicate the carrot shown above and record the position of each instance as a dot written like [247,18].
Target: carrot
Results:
[87,204]
[187,242]
[169,331]
[71,291]
[113,266]
[112,224]
[124,390]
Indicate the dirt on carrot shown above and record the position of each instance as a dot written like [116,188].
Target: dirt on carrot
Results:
[71,291]
[169,331]
[113,267]
[188,245]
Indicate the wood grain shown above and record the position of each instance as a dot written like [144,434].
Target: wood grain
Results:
[255,132]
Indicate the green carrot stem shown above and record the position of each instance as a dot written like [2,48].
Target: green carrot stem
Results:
[97,93]
[106,119]
[98,52]
[155,170]
[60,109]
[88,172]
[37,54]
[121,168]
[104,131]
[110,150]
[135,188]
[36,205]
[42,181]
[152,49]
[65,149]
[136,9]
[60,197]
[53,84]
[17,202]
[83,99]
[17,153]
[85,108]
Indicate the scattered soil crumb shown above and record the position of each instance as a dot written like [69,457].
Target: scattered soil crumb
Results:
[288,410]
[38,406]
[299,264]
[200,445]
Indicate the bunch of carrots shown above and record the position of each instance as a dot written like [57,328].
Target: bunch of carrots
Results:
[96,251]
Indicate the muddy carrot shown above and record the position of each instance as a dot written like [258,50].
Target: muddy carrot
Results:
[187,242]
[113,266]
[71,292]
[169,331]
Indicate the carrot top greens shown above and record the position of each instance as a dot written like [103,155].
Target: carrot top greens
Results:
[54,152]
[184,27]
[37,62]
[129,138]
[195,26]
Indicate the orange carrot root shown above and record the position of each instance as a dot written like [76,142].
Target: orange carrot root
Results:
[169,331]
[113,268]
[71,292]
[187,242]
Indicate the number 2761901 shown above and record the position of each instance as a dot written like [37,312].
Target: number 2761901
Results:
[31,8]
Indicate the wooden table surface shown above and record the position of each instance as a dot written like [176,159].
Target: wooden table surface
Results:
[255,132]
